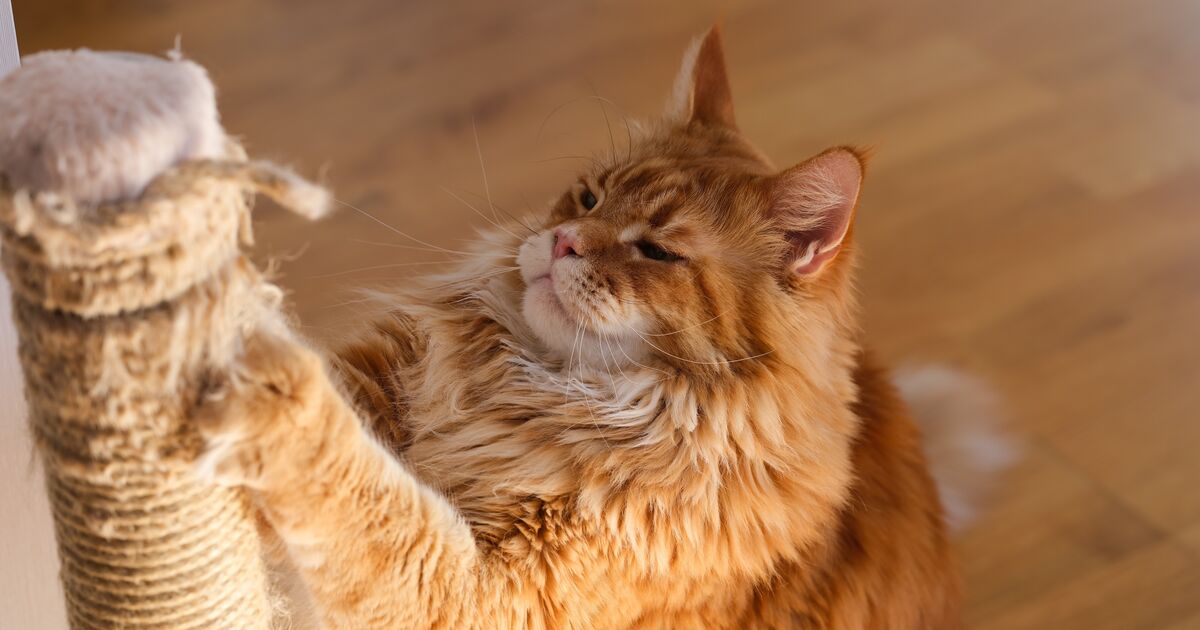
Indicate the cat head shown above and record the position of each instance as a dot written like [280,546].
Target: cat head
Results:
[693,250]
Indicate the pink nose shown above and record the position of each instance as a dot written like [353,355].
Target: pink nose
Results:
[564,245]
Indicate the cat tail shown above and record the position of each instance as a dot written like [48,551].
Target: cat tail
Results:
[965,442]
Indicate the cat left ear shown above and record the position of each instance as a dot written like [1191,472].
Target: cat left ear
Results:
[814,203]
[702,93]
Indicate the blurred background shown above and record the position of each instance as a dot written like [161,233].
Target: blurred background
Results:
[1031,215]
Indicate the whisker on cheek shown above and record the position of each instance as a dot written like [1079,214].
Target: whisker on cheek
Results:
[721,362]
[639,304]
[634,361]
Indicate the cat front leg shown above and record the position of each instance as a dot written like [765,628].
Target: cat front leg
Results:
[263,420]
[376,548]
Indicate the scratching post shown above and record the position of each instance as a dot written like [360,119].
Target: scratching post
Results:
[122,206]
[114,342]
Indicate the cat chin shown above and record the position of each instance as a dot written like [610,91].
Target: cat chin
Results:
[566,338]
[545,313]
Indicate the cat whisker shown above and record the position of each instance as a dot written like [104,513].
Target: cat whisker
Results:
[605,345]
[510,215]
[638,303]
[604,348]
[574,346]
[596,163]
[639,364]
[571,356]
[529,208]
[612,142]
[484,276]
[722,362]
[684,329]
[488,189]
[389,266]
[414,239]
[553,112]
[607,367]
[493,222]
[617,362]
[625,121]
[460,254]
[482,169]
[587,401]
[558,108]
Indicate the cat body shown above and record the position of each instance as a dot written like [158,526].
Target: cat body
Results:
[655,411]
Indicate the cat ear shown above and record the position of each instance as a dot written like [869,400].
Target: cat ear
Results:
[702,91]
[814,203]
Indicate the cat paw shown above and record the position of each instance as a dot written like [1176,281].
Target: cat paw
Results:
[260,417]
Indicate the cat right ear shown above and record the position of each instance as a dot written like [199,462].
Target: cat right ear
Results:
[814,204]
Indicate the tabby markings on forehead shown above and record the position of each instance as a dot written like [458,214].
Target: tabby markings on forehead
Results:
[665,207]
[638,176]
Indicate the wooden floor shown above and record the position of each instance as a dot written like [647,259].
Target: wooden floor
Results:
[1032,213]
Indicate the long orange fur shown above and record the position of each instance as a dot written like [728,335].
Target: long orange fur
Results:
[714,449]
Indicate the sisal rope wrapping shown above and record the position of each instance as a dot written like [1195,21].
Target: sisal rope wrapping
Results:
[123,311]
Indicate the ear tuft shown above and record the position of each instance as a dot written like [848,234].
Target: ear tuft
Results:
[814,203]
[702,93]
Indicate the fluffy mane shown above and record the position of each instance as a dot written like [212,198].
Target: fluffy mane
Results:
[655,453]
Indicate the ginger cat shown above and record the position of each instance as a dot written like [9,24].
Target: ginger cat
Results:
[664,417]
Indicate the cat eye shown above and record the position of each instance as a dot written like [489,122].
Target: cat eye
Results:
[654,252]
[588,199]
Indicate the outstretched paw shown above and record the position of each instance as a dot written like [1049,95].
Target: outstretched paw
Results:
[263,416]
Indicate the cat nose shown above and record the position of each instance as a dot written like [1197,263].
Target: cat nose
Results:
[564,244]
